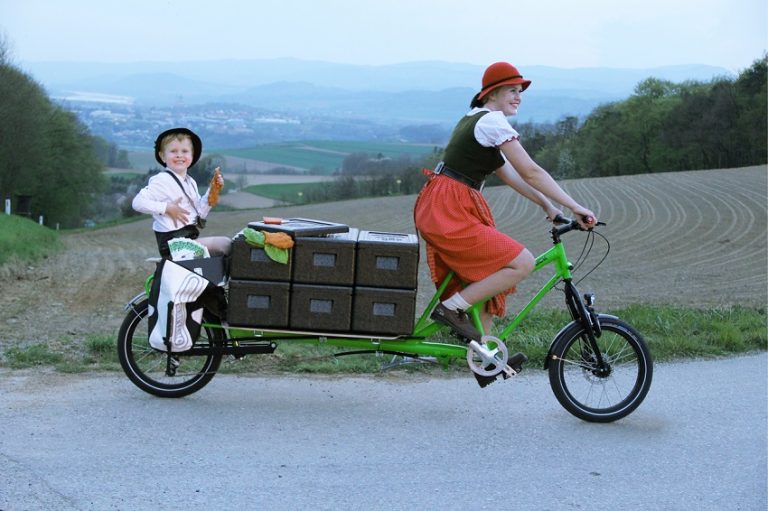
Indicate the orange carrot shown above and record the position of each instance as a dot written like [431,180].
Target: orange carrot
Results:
[278,239]
[215,188]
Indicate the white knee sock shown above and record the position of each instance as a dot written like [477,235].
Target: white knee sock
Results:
[456,302]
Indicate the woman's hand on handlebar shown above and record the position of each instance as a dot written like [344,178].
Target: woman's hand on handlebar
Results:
[586,218]
[552,213]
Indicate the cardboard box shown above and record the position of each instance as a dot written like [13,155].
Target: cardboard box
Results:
[252,263]
[328,260]
[320,308]
[387,259]
[213,269]
[383,311]
[259,304]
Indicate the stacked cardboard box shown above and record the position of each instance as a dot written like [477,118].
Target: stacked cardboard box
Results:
[352,281]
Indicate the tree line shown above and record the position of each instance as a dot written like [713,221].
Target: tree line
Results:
[48,156]
[662,127]
[48,159]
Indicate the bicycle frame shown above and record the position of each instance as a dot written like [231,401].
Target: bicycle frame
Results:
[416,343]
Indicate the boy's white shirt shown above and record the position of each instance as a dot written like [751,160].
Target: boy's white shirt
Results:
[162,189]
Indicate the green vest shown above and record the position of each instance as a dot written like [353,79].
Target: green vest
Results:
[464,153]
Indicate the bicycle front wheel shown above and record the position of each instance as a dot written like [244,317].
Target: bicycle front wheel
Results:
[598,393]
[145,366]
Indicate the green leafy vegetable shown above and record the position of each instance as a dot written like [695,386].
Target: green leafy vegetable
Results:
[279,255]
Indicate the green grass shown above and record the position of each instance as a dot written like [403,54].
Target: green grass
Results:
[325,155]
[25,241]
[672,333]
[94,352]
[288,192]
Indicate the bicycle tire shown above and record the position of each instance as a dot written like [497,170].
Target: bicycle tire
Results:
[145,366]
[596,395]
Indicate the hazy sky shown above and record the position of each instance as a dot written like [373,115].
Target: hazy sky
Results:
[564,33]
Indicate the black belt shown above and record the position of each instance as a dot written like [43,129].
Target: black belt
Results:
[461,178]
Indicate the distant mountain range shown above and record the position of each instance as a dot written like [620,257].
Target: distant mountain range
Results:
[410,93]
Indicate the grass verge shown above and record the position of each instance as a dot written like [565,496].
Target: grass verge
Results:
[672,333]
[24,241]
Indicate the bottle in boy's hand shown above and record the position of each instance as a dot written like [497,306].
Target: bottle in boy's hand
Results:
[215,188]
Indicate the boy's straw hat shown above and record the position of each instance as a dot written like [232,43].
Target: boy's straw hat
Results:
[197,144]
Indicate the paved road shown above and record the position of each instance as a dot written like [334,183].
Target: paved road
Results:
[95,442]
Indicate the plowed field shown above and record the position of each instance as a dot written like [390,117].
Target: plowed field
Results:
[689,238]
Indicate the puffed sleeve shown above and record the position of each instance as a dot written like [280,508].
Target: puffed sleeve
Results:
[493,129]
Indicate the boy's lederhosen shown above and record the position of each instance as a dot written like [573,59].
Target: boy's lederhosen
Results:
[188,231]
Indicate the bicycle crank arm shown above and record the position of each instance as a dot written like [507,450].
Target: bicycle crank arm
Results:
[488,357]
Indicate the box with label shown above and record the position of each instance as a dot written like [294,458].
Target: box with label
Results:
[320,308]
[258,304]
[383,311]
[387,259]
[328,260]
[253,263]
[211,268]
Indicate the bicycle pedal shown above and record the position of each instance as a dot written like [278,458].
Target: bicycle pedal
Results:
[514,365]
[484,381]
[509,372]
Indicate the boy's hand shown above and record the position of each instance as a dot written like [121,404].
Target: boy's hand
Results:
[178,214]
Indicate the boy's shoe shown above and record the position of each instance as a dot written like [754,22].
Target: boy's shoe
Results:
[516,362]
[458,320]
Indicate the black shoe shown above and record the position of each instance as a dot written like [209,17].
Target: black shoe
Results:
[484,381]
[458,320]
[516,362]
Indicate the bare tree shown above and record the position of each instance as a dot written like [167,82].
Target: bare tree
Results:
[5,49]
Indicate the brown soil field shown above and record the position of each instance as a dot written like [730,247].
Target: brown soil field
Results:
[688,238]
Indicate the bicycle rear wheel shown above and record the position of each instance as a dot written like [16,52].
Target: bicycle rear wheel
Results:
[594,393]
[145,366]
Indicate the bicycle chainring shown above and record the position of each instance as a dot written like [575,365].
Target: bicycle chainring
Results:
[487,357]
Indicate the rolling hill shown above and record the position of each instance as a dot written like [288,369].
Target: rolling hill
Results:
[686,238]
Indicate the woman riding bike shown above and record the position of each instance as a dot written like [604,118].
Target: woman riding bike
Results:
[455,220]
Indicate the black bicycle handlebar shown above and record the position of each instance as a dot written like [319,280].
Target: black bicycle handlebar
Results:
[567,225]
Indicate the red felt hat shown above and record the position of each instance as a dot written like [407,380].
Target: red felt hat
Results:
[496,75]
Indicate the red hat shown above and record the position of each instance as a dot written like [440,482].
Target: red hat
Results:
[496,75]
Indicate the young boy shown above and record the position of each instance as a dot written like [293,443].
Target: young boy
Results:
[172,197]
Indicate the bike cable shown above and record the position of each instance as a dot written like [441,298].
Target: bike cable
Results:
[587,249]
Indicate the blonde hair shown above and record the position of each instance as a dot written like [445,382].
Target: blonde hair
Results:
[173,136]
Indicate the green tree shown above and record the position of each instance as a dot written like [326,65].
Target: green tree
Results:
[45,152]
[752,124]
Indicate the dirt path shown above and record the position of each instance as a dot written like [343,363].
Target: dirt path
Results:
[692,238]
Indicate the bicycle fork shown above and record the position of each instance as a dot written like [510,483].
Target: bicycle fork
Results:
[581,311]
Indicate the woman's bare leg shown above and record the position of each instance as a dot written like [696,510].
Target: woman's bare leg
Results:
[509,276]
